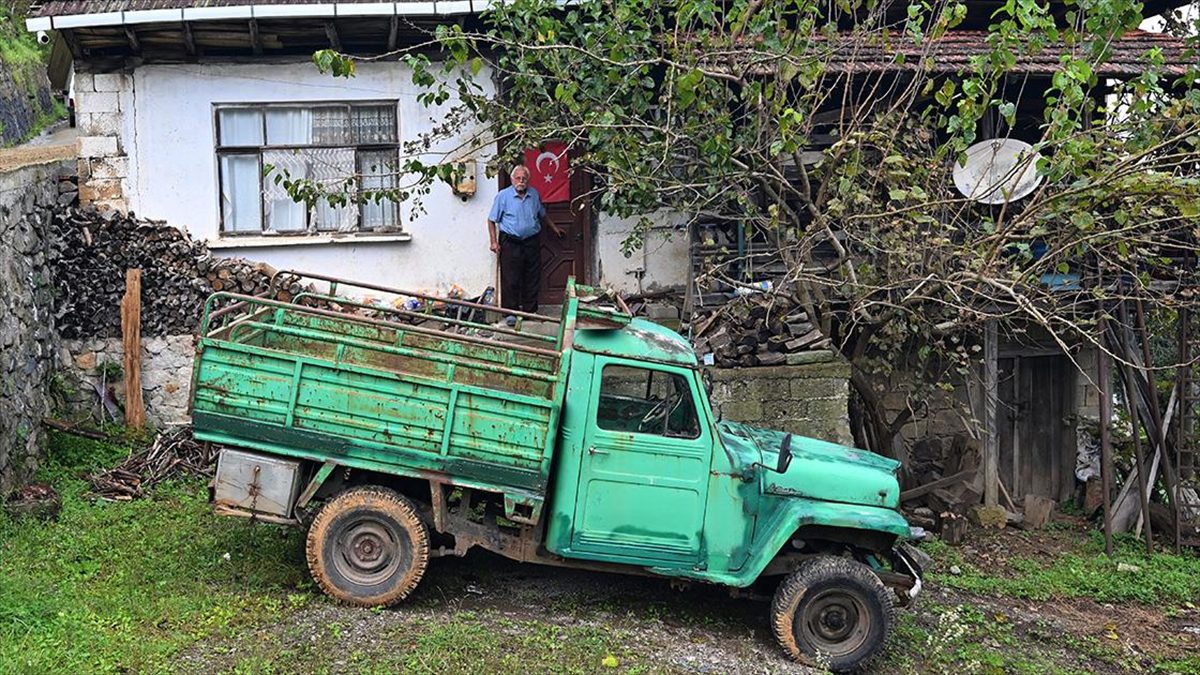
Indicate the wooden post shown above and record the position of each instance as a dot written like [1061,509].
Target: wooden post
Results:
[1169,475]
[991,439]
[1135,423]
[131,342]
[1103,378]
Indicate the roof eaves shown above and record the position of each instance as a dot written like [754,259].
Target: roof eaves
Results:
[258,11]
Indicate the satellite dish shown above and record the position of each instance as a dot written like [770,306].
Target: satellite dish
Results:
[997,171]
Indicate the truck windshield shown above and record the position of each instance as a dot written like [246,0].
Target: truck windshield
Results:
[646,401]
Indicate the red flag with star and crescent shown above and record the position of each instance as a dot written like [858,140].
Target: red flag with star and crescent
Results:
[549,172]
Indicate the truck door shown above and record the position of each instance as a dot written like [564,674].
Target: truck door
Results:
[643,478]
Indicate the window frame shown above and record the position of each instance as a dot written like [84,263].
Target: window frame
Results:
[689,390]
[310,230]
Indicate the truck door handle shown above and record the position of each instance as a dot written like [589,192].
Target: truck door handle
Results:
[593,451]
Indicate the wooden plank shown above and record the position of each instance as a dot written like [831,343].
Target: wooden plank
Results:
[922,490]
[1103,376]
[131,340]
[991,448]
[331,32]
[256,42]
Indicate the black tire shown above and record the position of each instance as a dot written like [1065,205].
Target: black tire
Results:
[833,613]
[367,547]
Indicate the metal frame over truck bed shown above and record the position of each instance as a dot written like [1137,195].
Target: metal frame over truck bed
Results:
[339,381]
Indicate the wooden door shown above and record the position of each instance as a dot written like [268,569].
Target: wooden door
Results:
[1037,440]
[562,258]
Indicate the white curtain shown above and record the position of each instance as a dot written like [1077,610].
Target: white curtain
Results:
[331,126]
[378,171]
[289,126]
[284,214]
[241,208]
[331,167]
[375,124]
[239,126]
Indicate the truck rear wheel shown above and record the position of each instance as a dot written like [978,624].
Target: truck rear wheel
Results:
[832,612]
[367,546]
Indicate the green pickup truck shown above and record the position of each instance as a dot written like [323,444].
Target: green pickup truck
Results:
[395,436]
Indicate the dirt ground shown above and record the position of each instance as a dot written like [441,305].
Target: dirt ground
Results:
[58,144]
[702,629]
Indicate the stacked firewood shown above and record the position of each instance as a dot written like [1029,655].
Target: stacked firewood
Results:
[94,249]
[754,330]
[174,454]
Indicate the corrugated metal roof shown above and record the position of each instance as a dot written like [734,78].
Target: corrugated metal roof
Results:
[953,53]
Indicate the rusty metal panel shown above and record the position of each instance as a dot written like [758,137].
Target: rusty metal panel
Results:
[257,483]
[320,385]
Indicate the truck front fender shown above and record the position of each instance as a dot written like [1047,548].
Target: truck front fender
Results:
[793,513]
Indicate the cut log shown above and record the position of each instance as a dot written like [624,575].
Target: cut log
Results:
[1037,511]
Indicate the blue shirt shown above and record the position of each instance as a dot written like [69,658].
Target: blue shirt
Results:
[519,217]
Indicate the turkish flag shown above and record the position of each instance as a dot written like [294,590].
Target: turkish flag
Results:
[549,172]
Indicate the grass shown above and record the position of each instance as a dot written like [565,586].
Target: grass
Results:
[1159,580]
[124,586]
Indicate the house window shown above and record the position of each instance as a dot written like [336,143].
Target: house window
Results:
[323,143]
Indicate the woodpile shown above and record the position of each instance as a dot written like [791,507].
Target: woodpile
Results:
[754,330]
[94,249]
[174,454]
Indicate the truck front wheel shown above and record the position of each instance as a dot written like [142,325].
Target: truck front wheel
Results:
[367,546]
[832,612]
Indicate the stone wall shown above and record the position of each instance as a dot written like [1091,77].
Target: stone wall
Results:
[94,365]
[27,340]
[807,399]
[25,101]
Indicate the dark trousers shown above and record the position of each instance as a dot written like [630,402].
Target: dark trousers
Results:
[520,272]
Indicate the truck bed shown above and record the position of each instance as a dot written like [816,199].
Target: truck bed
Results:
[463,403]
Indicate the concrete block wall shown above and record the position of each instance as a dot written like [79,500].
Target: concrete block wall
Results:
[100,99]
[807,399]
[28,197]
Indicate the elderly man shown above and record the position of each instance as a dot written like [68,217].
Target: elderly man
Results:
[514,224]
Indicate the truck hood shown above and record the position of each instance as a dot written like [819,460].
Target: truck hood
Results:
[819,470]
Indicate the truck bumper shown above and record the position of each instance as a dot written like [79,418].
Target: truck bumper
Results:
[905,578]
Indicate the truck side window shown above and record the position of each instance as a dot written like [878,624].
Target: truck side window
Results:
[646,401]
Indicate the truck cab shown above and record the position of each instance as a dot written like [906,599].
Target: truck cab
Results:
[645,474]
[396,437]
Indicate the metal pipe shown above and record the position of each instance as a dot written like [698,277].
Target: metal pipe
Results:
[420,315]
[425,296]
[379,323]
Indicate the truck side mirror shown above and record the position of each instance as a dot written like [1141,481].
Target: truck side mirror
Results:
[785,455]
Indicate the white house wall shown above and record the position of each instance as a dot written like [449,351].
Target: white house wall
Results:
[661,263]
[170,140]
[164,160]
